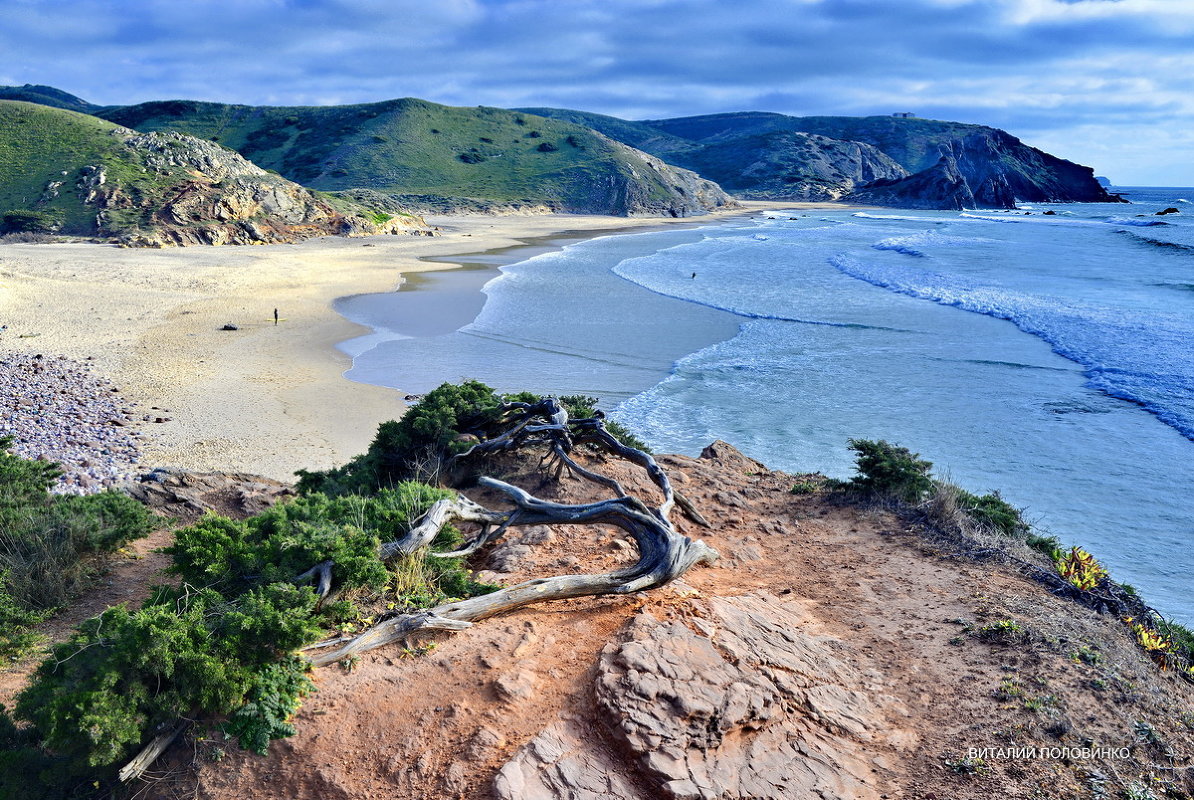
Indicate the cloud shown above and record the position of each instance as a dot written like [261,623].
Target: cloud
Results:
[1037,67]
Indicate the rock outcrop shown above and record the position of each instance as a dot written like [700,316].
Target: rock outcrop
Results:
[760,155]
[737,701]
[646,186]
[789,165]
[69,173]
[187,495]
[225,200]
[988,169]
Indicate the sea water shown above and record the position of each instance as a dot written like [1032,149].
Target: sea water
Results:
[1050,357]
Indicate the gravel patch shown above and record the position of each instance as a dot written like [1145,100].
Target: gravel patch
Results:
[58,410]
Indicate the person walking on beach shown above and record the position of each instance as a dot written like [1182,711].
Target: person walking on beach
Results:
[275,316]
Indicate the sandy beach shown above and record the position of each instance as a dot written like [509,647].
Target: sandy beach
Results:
[263,399]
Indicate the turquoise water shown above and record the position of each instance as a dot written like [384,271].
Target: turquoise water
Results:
[1048,356]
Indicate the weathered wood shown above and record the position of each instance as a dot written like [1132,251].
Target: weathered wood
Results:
[664,555]
[441,513]
[157,745]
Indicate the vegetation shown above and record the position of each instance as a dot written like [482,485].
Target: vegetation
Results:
[1081,569]
[897,476]
[445,422]
[890,472]
[414,147]
[50,163]
[48,543]
[221,644]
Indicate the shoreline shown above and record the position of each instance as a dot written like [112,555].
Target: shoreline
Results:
[261,399]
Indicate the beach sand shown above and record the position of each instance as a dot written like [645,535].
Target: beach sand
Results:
[266,399]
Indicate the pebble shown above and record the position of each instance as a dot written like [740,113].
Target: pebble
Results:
[57,409]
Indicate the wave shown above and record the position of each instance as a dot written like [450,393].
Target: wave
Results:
[1137,223]
[908,244]
[1161,243]
[905,218]
[1143,358]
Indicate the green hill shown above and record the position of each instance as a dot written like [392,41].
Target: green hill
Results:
[66,172]
[47,96]
[413,147]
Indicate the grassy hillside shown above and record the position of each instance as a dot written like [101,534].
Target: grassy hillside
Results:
[415,147]
[636,134]
[47,96]
[44,152]
[65,172]
[756,155]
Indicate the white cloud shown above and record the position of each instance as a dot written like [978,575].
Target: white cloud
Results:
[1116,68]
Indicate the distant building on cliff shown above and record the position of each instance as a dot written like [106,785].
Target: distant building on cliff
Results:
[904,114]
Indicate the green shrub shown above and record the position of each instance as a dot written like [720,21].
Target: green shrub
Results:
[890,472]
[271,702]
[1048,545]
[427,429]
[29,222]
[16,624]
[429,432]
[185,651]
[45,539]
[993,512]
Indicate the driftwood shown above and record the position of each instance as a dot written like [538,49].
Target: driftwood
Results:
[664,553]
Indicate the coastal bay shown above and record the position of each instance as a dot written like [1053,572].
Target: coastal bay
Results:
[264,398]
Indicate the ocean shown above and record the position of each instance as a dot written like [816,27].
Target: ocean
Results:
[1048,356]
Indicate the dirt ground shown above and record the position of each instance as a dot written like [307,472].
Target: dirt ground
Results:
[897,616]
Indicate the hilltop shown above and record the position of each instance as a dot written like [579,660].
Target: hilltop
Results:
[66,172]
[534,160]
[427,152]
[892,161]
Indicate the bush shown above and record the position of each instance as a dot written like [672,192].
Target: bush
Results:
[427,430]
[29,222]
[547,147]
[890,472]
[45,539]
[125,673]
[430,431]
[223,642]
[288,539]
[993,512]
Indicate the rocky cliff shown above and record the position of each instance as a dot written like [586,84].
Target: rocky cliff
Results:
[227,200]
[988,168]
[878,160]
[789,165]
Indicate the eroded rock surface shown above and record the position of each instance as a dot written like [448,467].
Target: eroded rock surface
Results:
[188,495]
[739,700]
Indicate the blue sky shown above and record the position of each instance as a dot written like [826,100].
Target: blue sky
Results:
[1107,83]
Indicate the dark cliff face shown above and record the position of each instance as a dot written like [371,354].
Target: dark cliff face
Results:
[789,165]
[988,168]
[902,162]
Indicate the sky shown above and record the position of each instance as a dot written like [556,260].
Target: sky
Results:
[1106,83]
